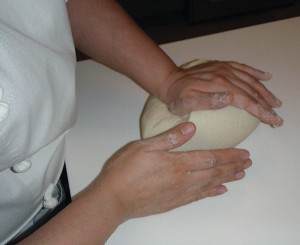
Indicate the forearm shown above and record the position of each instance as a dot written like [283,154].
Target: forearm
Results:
[103,30]
[90,219]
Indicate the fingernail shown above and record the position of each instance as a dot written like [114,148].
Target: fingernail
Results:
[245,155]
[278,122]
[240,175]
[267,75]
[222,190]
[187,129]
[278,102]
[247,164]
[274,120]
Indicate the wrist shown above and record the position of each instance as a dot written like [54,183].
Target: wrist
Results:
[109,201]
[102,212]
[164,92]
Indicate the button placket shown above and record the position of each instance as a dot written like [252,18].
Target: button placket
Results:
[4,107]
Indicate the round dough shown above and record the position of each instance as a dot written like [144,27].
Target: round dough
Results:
[215,129]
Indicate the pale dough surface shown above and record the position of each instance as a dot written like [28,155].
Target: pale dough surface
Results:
[215,129]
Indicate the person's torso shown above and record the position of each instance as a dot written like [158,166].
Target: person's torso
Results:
[37,104]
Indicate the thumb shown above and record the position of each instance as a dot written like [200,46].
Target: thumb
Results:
[173,137]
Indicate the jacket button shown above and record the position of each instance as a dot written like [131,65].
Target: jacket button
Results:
[22,166]
[50,202]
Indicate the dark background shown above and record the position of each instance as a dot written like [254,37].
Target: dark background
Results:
[173,20]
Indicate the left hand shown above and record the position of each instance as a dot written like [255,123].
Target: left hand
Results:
[146,178]
[216,84]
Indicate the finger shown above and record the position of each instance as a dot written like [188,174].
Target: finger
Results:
[209,178]
[240,86]
[172,138]
[199,160]
[257,86]
[189,192]
[201,101]
[187,198]
[213,188]
[229,81]
[240,77]
[268,116]
[216,191]
[240,82]
[258,74]
[194,197]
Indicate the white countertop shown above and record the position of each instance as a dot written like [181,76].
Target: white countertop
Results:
[263,208]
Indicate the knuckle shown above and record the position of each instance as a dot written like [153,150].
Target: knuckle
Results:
[232,63]
[176,173]
[216,173]
[197,197]
[178,168]
[206,186]
[255,107]
[211,160]
[136,145]
[217,78]
[254,82]
[237,167]
[243,65]
[220,80]
[244,100]
[182,102]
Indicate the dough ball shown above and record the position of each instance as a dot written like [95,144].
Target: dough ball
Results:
[215,129]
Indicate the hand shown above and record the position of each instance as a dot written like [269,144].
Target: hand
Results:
[146,178]
[215,84]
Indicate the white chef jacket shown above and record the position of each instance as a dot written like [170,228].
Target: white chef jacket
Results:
[37,105]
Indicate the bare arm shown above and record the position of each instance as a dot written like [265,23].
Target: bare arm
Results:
[104,31]
[89,219]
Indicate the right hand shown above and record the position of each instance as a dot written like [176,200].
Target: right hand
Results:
[146,178]
[216,84]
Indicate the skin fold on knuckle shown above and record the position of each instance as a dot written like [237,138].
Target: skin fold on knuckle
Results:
[261,112]
[178,168]
[206,186]
[220,80]
[234,168]
[215,173]
[257,74]
[210,160]
[198,196]
[244,101]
